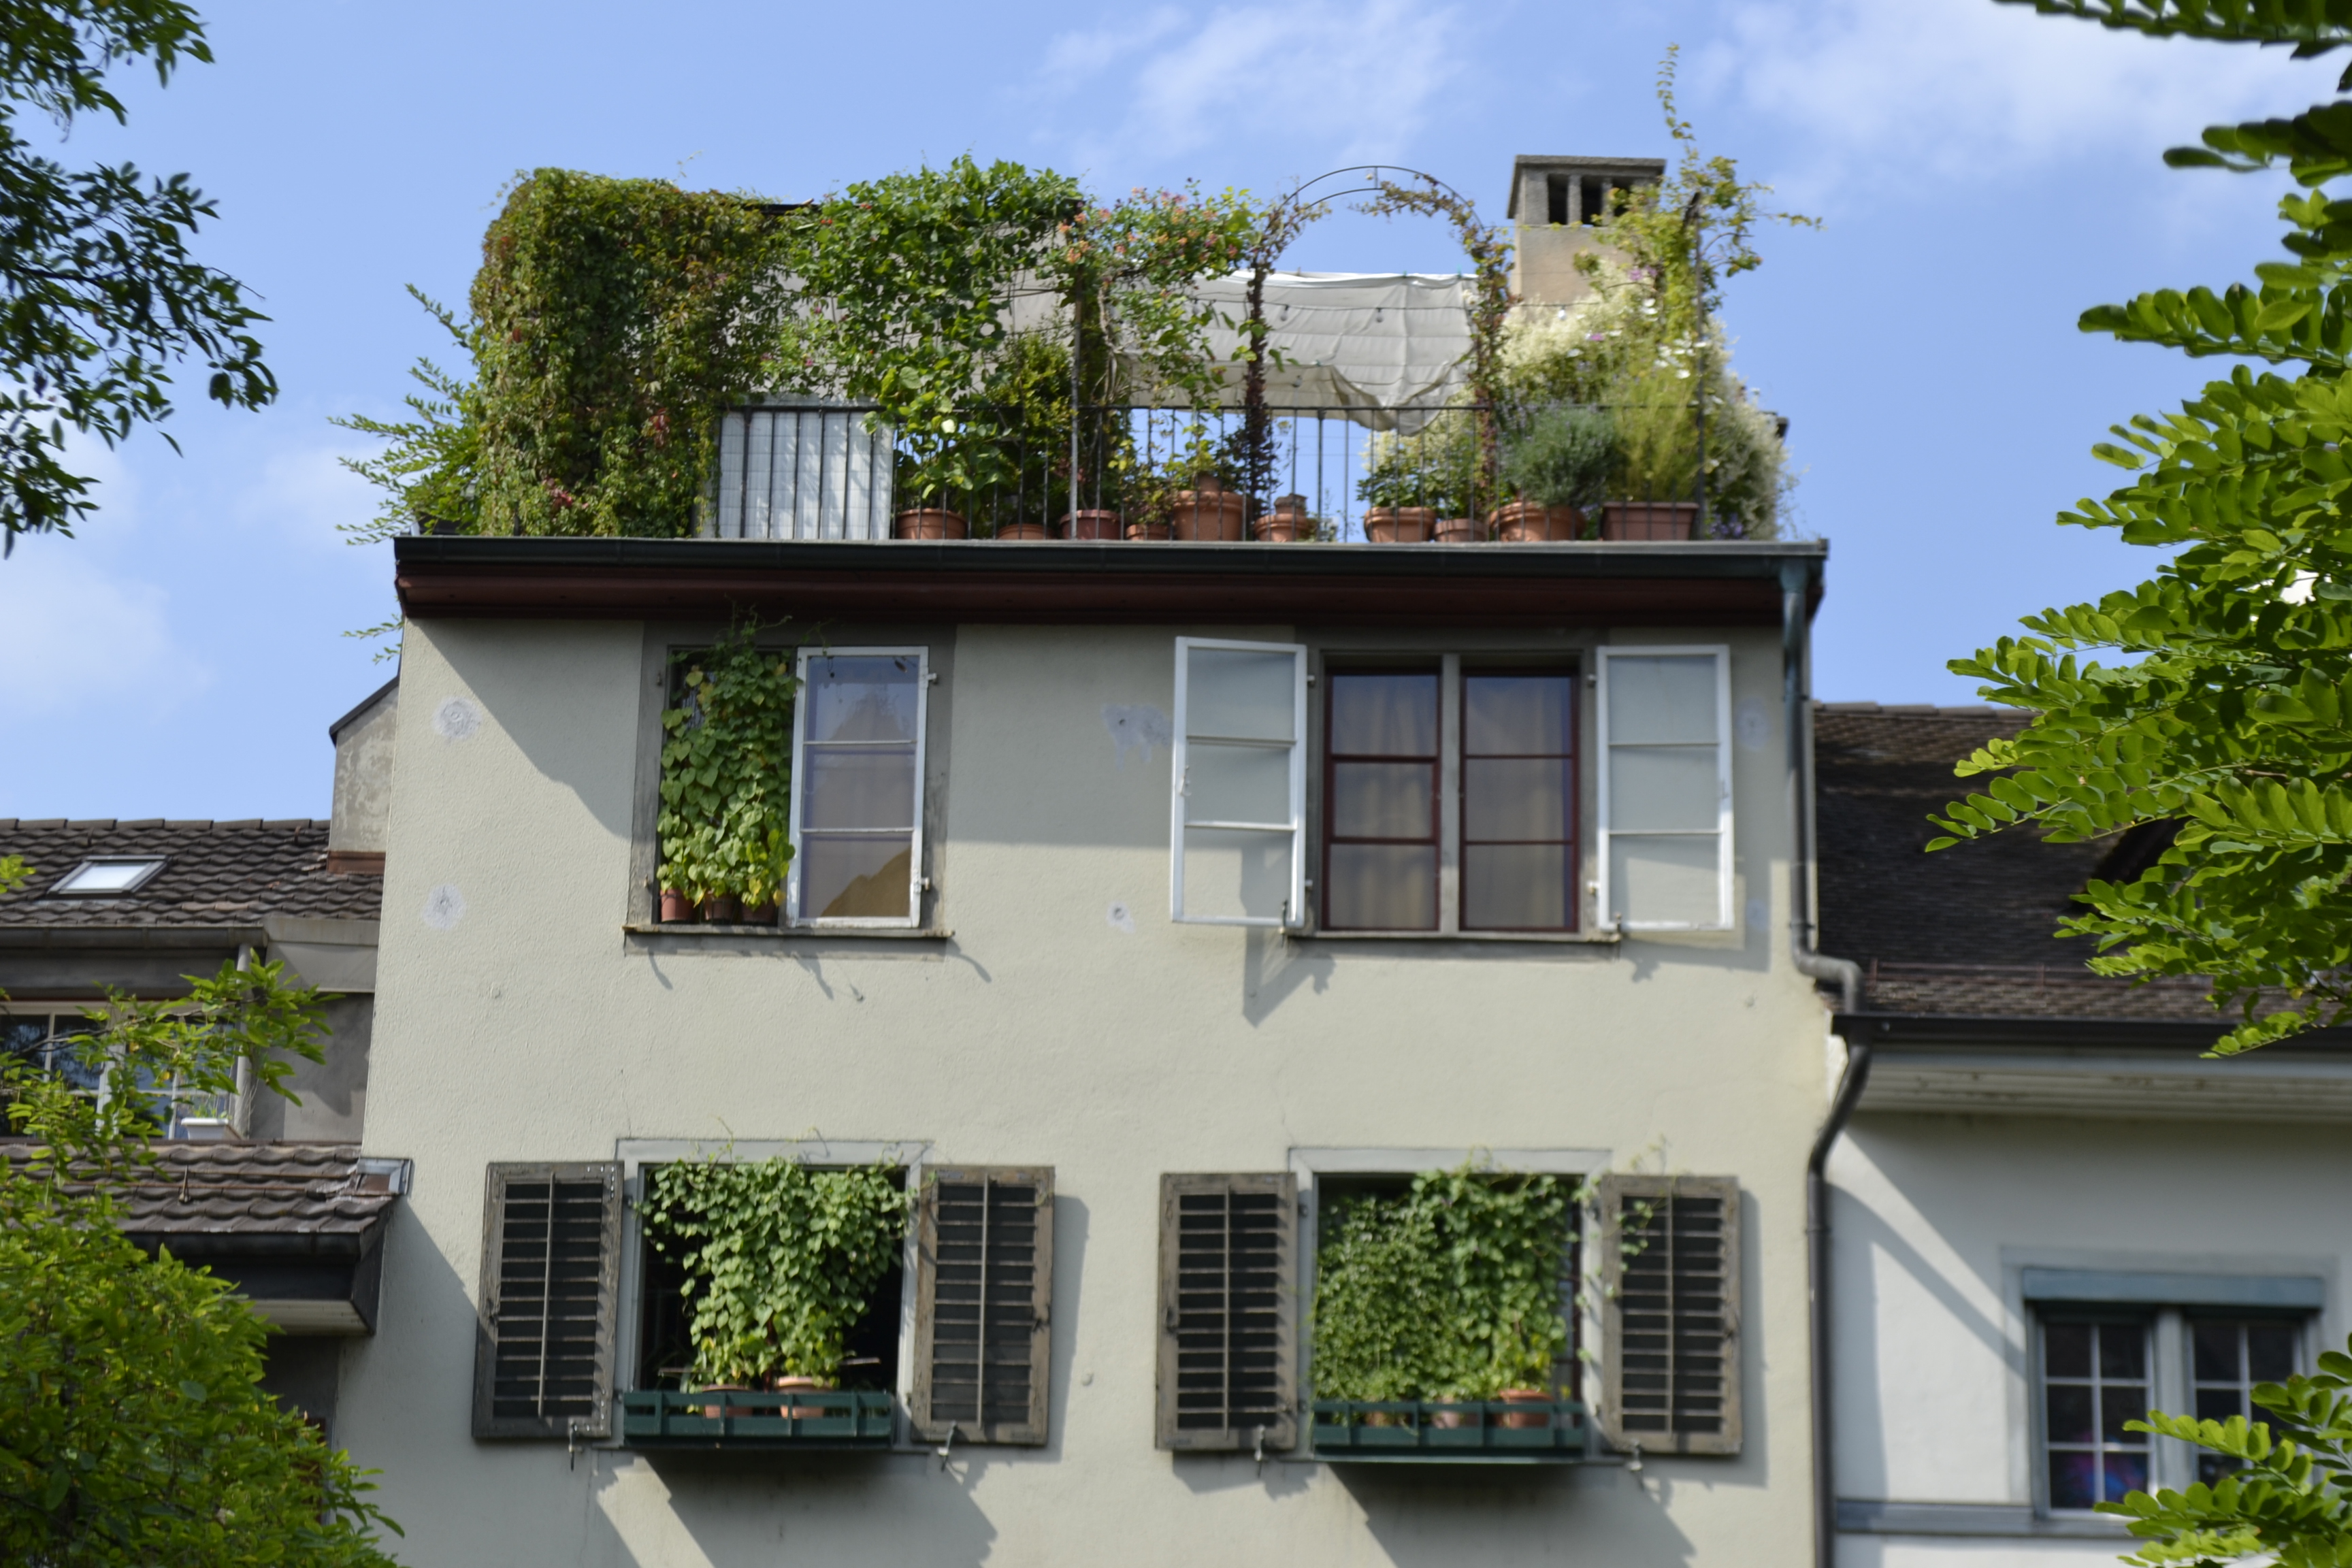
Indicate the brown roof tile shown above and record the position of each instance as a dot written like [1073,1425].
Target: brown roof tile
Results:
[215,873]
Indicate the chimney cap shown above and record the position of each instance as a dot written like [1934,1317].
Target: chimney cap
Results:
[1636,170]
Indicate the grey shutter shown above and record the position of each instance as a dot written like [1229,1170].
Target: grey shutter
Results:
[1670,1312]
[984,1303]
[551,1261]
[1228,1321]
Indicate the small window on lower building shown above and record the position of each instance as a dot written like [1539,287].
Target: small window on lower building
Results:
[2095,1379]
[2227,1357]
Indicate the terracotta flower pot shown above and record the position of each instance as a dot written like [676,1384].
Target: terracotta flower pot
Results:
[1147,529]
[1385,1418]
[676,907]
[1208,513]
[722,908]
[930,522]
[1459,531]
[1525,522]
[1526,1419]
[802,1385]
[1401,524]
[1287,524]
[1648,520]
[1456,1420]
[1020,531]
[760,915]
[1096,525]
[713,1412]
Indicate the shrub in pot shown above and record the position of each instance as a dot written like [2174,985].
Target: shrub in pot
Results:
[1557,467]
[1658,478]
[780,1259]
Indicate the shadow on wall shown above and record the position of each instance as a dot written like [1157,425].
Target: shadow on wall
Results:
[1424,1521]
[743,1511]
[334,1092]
[541,695]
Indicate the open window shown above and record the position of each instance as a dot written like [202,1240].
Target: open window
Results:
[857,788]
[1666,788]
[1239,811]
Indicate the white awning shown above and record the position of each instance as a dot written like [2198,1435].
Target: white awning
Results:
[1363,342]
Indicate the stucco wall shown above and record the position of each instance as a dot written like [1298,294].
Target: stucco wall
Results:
[363,755]
[1937,1216]
[517,1021]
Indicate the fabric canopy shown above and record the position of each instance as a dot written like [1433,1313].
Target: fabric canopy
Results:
[1363,343]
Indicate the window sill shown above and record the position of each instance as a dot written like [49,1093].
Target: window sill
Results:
[1871,1516]
[1552,938]
[695,928]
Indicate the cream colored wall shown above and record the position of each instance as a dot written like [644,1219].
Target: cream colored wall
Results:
[530,1028]
[1935,1218]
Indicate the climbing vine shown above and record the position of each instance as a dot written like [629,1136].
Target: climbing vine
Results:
[726,778]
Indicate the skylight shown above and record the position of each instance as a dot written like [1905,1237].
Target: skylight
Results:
[112,874]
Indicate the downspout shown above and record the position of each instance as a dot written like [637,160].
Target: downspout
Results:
[1847,974]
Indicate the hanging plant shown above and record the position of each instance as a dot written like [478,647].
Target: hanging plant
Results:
[781,1261]
[726,778]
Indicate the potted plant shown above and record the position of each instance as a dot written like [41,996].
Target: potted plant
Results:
[1557,466]
[1205,508]
[725,781]
[1288,524]
[781,1262]
[1657,443]
[1398,492]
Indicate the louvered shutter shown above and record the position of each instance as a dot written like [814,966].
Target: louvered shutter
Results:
[1669,1284]
[550,1260]
[983,1304]
[1227,1311]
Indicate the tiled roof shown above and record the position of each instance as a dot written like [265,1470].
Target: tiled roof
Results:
[215,873]
[254,1189]
[1966,931]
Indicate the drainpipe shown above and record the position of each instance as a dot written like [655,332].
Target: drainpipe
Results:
[1847,974]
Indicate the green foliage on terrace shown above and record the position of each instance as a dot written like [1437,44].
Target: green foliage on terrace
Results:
[136,1430]
[2225,701]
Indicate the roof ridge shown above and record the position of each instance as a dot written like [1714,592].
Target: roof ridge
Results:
[1920,710]
[210,825]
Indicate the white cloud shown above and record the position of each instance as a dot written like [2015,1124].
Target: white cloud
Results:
[1895,90]
[1352,82]
[74,636]
[307,495]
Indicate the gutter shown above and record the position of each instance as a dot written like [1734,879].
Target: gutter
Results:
[1795,650]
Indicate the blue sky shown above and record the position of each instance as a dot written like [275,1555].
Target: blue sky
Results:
[1984,174]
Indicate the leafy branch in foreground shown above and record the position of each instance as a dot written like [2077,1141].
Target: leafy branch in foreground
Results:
[2217,697]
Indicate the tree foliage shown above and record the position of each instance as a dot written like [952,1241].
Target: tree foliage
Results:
[136,1433]
[782,1259]
[2225,701]
[100,297]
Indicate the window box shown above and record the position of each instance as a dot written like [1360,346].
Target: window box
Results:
[1354,1431]
[845,1419]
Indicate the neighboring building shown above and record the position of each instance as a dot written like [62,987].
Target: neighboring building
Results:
[1554,205]
[2049,1213]
[270,1195]
[1500,839]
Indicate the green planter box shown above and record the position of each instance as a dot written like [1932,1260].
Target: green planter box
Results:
[664,1418]
[1433,1431]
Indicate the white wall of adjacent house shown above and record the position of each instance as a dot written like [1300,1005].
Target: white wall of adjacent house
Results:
[1944,1222]
[1067,1022]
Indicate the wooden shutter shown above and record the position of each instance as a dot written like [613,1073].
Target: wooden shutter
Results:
[984,1303]
[550,1260]
[1228,1335]
[1670,1312]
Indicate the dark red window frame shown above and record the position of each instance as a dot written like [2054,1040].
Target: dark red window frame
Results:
[1570,839]
[1332,758]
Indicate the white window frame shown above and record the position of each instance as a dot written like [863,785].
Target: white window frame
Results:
[916,880]
[1605,834]
[1294,914]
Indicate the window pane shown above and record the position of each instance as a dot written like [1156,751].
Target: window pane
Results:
[2074,1481]
[2269,1352]
[2122,1351]
[1516,799]
[1383,800]
[1382,887]
[1665,879]
[1240,695]
[864,697]
[1514,887]
[2070,1412]
[1664,786]
[2216,1351]
[1384,715]
[2218,1404]
[1664,698]
[857,788]
[1229,873]
[2119,1402]
[1515,713]
[854,879]
[2066,1350]
[2126,1473]
[1236,784]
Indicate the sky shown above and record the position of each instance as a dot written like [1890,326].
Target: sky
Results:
[1982,173]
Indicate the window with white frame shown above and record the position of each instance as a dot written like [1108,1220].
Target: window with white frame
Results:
[60,1043]
[857,788]
[1665,851]
[1239,809]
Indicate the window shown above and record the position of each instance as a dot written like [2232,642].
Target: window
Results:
[1449,799]
[46,1041]
[543,1346]
[1238,815]
[1666,789]
[108,877]
[2227,1357]
[1228,1317]
[2095,1378]
[983,1304]
[857,788]
[1670,1312]
[803,471]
